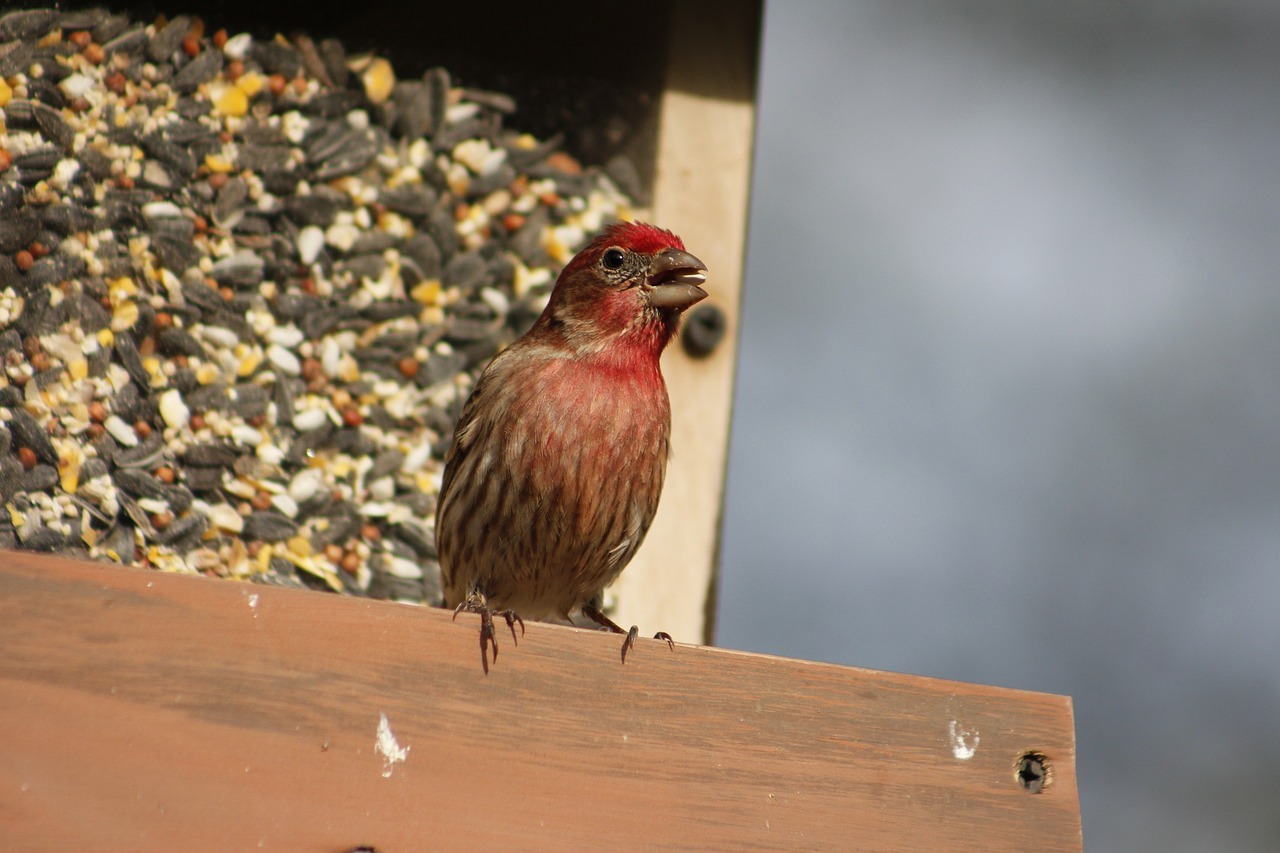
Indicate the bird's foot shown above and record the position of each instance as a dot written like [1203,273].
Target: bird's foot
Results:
[595,614]
[475,603]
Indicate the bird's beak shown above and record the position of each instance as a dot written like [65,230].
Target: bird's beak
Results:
[674,278]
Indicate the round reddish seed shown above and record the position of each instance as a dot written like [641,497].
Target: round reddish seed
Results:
[6,160]
[351,416]
[40,362]
[37,249]
[94,53]
[408,367]
[165,474]
[197,422]
[350,562]
[161,520]
[563,162]
[370,532]
[23,260]
[220,39]
[97,412]
[142,430]
[96,431]
[27,457]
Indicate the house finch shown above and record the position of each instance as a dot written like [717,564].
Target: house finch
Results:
[558,457]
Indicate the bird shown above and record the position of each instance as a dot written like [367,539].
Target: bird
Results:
[558,456]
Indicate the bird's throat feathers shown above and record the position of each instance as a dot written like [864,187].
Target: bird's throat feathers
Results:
[609,326]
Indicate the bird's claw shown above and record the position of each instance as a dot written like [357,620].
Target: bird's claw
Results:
[593,612]
[512,618]
[630,641]
[488,636]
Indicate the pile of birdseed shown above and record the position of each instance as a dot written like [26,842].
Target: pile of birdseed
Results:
[245,287]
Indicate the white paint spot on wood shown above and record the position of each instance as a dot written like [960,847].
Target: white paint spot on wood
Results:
[964,744]
[387,745]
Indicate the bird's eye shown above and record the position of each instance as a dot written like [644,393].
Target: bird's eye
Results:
[612,259]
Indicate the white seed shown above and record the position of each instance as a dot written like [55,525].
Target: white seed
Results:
[311,241]
[121,431]
[283,359]
[246,435]
[271,454]
[307,483]
[289,336]
[416,459]
[287,505]
[218,336]
[382,489]
[237,47]
[161,210]
[224,517]
[64,173]
[173,409]
[309,419]
[402,568]
[342,236]
[77,85]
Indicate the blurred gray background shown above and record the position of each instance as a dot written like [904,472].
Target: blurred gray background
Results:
[1008,403]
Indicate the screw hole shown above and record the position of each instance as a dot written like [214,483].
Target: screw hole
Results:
[1033,772]
[704,329]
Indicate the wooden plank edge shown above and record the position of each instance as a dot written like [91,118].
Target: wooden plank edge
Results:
[145,711]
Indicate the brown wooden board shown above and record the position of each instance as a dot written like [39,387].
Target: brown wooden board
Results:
[141,711]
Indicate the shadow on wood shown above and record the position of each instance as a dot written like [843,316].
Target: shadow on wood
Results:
[144,711]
